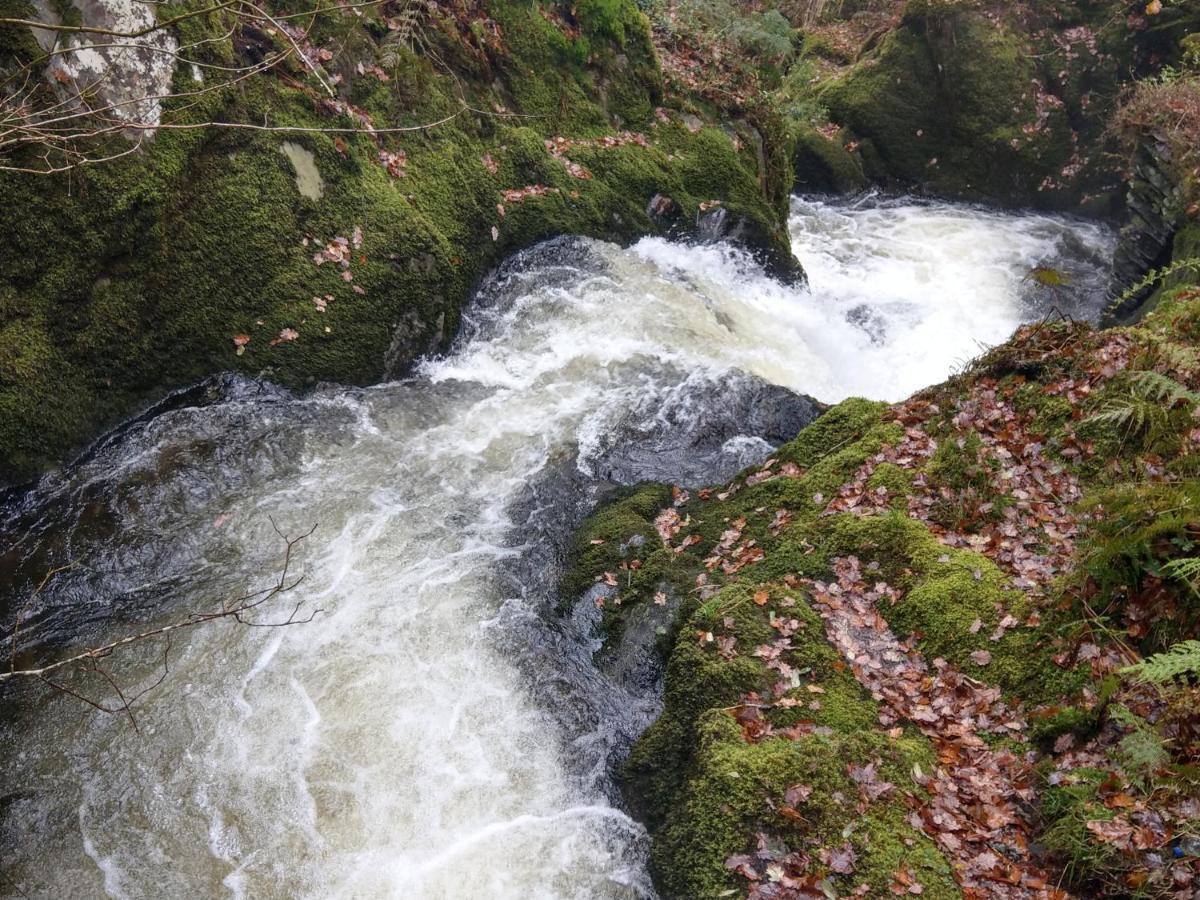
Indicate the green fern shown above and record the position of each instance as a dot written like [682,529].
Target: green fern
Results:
[1146,407]
[1166,354]
[1186,570]
[1162,668]
[1142,752]
[1162,388]
[405,33]
[1129,414]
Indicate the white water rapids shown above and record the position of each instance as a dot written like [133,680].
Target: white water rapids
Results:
[437,731]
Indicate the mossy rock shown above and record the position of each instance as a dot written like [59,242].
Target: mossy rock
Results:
[735,791]
[823,165]
[943,103]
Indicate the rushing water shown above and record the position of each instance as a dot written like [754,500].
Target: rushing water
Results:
[438,730]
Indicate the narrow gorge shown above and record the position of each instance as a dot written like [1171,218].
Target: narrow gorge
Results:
[682,450]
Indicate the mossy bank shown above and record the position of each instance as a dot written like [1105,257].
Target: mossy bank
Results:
[1011,527]
[200,252]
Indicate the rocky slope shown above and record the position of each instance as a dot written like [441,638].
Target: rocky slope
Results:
[908,655]
[896,651]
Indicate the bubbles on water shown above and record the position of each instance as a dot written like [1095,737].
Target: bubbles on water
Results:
[928,286]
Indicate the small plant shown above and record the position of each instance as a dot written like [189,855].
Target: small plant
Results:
[1168,105]
[1182,659]
[1143,411]
[1186,570]
[962,471]
[1142,752]
[1135,544]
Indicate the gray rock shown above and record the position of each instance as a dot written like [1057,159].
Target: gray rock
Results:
[125,77]
[704,431]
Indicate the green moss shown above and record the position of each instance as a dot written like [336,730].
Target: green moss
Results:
[895,480]
[1068,807]
[1143,526]
[1048,723]
[825,165]
[608,17]
[962,472]
[833,431]
[735,790]
[948,591]
[605,539]
[1049,412]
[944,102]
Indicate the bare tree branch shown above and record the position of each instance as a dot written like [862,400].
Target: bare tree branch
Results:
[89,662]
[150,29]
[62,124]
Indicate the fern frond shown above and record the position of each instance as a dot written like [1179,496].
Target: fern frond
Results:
[1162,388]
[1171,355]
[404,31]
[1127,415]
[1187,569]
[1181,659]
[1141,754]
[1122,715]
[1154,276]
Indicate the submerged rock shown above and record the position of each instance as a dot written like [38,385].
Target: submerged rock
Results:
[704,431]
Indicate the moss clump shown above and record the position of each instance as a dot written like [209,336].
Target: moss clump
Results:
[736,790]
[1049,413]
[962,472]
[604,542]
[621,547]
[954,601]
[1068,807]
[896,481]
[825,165]
[708,791]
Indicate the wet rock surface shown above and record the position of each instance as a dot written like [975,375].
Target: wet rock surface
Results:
[705,430]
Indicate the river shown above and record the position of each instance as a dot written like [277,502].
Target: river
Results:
[438,730]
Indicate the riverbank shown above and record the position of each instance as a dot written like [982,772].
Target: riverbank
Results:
[899,655]
[332,229]
[313,254]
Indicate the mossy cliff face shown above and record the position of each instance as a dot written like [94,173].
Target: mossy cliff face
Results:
[951,100]
[916,610]
[120,281]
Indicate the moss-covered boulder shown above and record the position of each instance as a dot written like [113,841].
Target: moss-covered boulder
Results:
[952,101]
